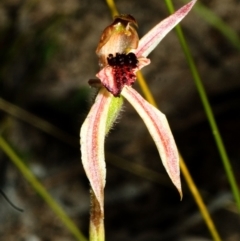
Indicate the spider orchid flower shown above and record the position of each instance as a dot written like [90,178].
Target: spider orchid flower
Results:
[121,54]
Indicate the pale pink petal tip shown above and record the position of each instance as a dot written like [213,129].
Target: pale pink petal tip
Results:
[159,129]
[92,137]
[150,40]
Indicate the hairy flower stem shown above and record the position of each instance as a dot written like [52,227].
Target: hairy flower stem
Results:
[96,229]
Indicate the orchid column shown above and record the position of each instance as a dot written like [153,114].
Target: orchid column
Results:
[121,54]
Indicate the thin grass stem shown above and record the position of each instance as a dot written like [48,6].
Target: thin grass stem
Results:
[37,122]
[198,199]
[112,7]
[40,189]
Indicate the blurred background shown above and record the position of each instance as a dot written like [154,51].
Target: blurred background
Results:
[47,55]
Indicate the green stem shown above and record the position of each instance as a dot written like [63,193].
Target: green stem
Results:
[40,189]
[208,110]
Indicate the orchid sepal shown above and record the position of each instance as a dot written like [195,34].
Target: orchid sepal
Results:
[151,39]
[99,121]
[158,127]
[92,136]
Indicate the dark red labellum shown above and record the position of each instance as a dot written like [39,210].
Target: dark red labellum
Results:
[123,66]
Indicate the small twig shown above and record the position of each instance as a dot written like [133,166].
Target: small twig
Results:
[9,201]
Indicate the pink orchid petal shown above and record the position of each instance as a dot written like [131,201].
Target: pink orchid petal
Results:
[149,41]
[92,137]
[142,62]
[107,79]
[159,129]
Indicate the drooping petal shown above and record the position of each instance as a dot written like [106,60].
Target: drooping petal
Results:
[150,40]
[92,137]
[159,129]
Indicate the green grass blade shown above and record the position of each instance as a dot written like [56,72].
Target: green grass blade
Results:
[40,189]
[213,20]
[208,110]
